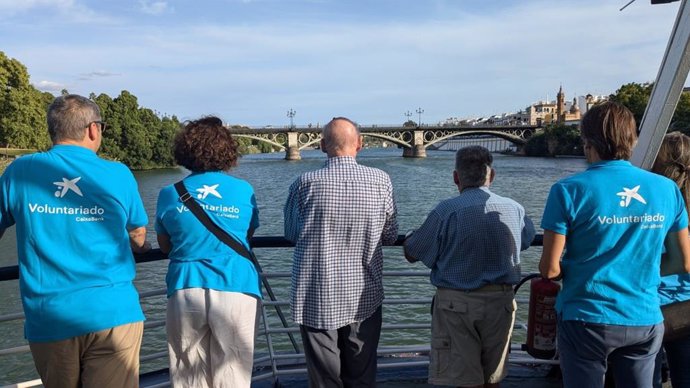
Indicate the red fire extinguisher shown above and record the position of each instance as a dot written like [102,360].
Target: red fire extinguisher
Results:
[541,321]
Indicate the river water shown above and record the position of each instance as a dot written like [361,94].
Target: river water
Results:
[419,184]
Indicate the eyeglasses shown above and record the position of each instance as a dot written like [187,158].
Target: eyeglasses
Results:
[101,123]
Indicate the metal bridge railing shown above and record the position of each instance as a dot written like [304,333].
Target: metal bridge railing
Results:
[273,363]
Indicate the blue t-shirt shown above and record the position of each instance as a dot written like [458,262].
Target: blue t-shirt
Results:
[198,259]
[674,288]
[615,217]
[72,211]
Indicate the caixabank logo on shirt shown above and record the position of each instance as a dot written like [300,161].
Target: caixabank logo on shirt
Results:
[68,189]
[625,198]
[220,210]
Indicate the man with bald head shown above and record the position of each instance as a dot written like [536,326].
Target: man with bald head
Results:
[339,217]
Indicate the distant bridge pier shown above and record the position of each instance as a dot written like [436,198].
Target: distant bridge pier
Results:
[292,149]
[417,149]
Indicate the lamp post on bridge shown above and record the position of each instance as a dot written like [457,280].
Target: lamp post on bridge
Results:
[291,115]
[292,149]
[419,112]
[408,114]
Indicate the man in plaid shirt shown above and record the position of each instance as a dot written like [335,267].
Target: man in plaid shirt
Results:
[339,217]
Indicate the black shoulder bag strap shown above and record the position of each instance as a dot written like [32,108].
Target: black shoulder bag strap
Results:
[223,236]
[217,231]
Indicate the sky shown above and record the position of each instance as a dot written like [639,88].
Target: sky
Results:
[250,61]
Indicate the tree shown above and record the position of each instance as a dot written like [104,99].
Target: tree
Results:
[557,139]
[162,144]
[22,108]
[635,97]
[110,146]
[536,145]
[681,119]
[562,139]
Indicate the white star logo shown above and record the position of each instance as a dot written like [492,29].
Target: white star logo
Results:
[67,185]
[206,190]
[628,195]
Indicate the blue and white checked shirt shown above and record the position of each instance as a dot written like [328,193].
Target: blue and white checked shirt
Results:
[339,217]
[473,240]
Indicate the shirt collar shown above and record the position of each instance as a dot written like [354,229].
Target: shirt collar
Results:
[609,163]
[74,149]
[340,160]
[470,189]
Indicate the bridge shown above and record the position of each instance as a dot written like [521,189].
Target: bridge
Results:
[413,140]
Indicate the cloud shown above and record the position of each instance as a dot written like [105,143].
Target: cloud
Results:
[14,6]
[154,7]
[97,74]
[465,61]
[66,11]
[50,86]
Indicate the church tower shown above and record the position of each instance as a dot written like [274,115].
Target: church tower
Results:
[560,105]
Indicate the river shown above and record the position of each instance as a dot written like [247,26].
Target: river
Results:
[419,184]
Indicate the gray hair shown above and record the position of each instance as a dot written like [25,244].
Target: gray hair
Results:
[68,117]
[473,164]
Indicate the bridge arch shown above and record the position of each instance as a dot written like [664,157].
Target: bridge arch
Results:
[517,140]
[273,142]
[403,141]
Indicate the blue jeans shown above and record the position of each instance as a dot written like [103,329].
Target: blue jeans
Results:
[678,359]
[585,347]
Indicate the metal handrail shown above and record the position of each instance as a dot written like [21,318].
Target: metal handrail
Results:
[12,273]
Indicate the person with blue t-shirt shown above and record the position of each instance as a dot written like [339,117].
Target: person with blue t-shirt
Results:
[611,220]
[673,161]
[213,292]
[78,218]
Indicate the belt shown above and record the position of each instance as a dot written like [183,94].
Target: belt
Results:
[484,288]
[492,287]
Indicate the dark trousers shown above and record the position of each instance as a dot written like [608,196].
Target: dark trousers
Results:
[343,357]
[585,347]
[678,358]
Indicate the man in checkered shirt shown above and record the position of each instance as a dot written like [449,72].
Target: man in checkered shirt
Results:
[472,244]
[339,217]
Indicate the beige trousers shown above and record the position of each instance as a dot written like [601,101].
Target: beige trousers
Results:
[211,338]
[103,359]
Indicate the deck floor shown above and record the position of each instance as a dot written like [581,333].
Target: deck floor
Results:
[519,376]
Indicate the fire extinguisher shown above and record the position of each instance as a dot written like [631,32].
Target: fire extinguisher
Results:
[541,321]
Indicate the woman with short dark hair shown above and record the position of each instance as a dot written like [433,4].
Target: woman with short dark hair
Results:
[213,292]
[611,220]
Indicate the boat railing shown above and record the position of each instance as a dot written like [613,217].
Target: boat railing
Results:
[277,352]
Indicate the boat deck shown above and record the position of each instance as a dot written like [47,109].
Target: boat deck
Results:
[519,376]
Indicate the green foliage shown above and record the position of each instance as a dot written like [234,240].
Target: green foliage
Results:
[634,96]
[22,108]
[563,139]
[135,135]
[536,145]
[681,119]
[557,139]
